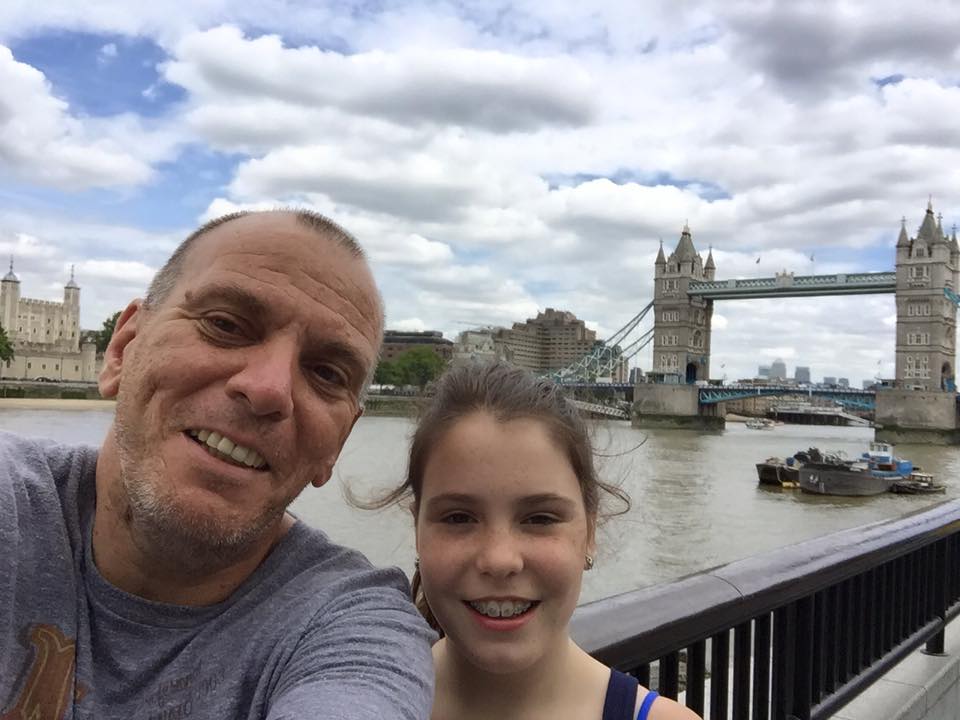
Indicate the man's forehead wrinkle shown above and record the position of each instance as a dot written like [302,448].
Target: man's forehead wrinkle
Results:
[282,281]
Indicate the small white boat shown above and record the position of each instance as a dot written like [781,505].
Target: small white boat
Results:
[760,424]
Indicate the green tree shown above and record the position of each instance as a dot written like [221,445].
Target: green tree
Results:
[104,335]
[386,374]
[418,366]
[6,349]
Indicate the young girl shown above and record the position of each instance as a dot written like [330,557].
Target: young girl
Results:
[506,501]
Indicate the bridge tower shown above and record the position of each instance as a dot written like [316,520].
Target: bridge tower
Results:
[681,326]
[926,319]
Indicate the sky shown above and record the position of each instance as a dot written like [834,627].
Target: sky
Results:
[494,158]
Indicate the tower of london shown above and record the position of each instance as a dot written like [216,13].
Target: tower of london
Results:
[45,335]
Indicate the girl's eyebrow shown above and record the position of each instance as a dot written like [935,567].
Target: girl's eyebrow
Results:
[546,498]
[466,499]
[451,498]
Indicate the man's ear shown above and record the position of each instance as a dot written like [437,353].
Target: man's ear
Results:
[123,332]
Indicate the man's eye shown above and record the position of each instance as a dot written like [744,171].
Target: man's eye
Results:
[331,374]
[222,325]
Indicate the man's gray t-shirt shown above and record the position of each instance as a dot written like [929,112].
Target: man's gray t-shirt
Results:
[315,632]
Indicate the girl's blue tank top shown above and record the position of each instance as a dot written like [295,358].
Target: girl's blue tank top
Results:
[622,698]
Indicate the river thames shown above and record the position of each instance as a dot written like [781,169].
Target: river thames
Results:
[696,502]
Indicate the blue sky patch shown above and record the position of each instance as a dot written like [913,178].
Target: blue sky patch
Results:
[101,75]
[179,193]
[888,80]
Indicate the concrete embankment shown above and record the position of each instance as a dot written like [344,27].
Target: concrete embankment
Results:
[391,406]
[9,403]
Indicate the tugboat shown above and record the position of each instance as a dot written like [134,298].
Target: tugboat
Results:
[873,473]
[779,472]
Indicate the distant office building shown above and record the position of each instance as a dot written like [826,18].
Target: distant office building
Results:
[763,372]
[478,344]
[801,374]
[778,370]
[551,341]
[869,384]
[832,381]
[843,382]
[397,342]
[636,376]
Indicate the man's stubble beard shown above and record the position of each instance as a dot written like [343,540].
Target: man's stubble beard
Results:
[161,527]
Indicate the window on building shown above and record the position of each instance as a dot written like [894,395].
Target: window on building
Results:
[76,368]
[29,365]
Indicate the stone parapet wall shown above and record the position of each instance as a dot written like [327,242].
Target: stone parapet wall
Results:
[916,409]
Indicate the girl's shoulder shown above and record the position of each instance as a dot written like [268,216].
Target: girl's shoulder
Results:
[663,708]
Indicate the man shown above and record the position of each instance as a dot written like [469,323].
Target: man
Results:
[162,577]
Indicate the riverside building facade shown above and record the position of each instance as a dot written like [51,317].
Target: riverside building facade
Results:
[45,335]
[553,340]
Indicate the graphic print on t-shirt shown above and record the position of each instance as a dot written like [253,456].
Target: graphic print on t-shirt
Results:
[48,685]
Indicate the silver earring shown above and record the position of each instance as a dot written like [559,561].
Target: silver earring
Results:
[416,562]
[588,562]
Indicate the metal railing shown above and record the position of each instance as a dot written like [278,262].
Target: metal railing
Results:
[798,632]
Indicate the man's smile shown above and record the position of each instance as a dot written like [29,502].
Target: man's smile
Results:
[223,448]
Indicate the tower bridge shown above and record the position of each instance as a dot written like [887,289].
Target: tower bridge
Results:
[920,407]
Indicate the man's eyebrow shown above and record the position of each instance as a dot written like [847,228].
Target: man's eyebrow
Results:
[230,295]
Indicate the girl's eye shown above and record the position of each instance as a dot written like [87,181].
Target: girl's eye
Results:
[456,518]
[541,519]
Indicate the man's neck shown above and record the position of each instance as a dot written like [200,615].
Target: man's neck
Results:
[163,573]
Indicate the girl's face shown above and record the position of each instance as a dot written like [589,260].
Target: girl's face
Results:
[502,535]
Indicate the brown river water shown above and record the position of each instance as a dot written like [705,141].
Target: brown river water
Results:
[696,502]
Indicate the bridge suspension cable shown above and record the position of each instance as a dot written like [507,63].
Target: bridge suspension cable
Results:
[606,355]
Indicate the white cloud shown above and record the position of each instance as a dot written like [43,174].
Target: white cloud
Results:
[41,142]
[485,89]
[107,53]
[499,159]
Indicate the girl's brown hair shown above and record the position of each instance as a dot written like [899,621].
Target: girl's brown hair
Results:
[508,393]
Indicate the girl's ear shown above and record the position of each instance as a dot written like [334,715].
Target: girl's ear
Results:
[591,536]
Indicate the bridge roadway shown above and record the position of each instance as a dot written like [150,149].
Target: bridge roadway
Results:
[712,394]
[788,285]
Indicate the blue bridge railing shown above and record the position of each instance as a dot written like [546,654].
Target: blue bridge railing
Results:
[849,397]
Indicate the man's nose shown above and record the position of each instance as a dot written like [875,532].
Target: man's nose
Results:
[265,380]
[500,554]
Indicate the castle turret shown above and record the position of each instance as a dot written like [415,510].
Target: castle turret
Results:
[70,331]
[710,269]
[10,302]
[661,262]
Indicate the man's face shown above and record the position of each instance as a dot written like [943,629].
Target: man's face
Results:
[261,348]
